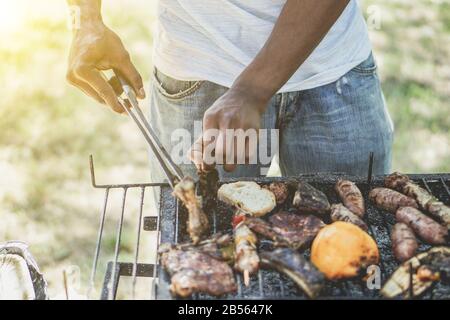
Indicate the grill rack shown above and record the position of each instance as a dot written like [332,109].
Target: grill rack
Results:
[170,227]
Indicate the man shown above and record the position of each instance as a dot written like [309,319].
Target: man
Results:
[303,67]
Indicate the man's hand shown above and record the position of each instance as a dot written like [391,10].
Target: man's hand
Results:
[94,48]
[236,109]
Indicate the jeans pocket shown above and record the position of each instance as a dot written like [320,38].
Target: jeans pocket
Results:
[172,88]
[367,67]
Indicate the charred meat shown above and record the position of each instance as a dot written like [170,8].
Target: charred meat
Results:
[340,213]
[287,229]
[342,250]
[351,196]
[308,199]
[404,243]
[193,271]
[426,228]
[198,221]
[434,260]
[426,201]
[390,200]
[280,190]
[296,267]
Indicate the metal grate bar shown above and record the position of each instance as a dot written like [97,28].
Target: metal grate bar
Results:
[138,238]
[445,186]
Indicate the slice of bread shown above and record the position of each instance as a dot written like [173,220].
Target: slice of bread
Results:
[248,196]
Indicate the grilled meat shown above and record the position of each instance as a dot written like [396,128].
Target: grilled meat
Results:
[426,228]
[287,229]
[404,243]
[246,256]
[426,201]
[198,221]
[351,196]
[341,250]
[390,200]
[296,267]
[340,213]
[308,199]
[436,259]
[280,190]
[194,271]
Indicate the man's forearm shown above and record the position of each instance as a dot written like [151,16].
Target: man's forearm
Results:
[90,10]
[300,27]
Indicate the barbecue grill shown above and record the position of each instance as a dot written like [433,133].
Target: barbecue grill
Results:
[267,284]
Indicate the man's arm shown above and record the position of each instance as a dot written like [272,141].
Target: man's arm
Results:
[95,47]
[301,26]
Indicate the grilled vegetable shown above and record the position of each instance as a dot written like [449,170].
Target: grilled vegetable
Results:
[194,271]
[426,201]
[198,221]
[280,190]
[404,243]
[390,200]
[287,229]
[436,259]
[296,267]
[308,199]
[246,256]
[341,250]
[340,213]
[351,196]
[425,227]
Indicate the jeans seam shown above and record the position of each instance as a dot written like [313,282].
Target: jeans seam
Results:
[179,95]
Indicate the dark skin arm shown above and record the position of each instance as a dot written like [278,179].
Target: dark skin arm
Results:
[95,47]
[300,27]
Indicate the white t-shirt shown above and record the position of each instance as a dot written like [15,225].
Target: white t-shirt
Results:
[215,40]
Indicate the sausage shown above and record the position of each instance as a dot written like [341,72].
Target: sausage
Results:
[351,196]
[390,200]
[426,228]
[341,213]
[404,243]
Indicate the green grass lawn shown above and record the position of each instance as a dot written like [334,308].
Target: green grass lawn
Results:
[49,128]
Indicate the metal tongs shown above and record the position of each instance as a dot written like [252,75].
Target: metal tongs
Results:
[131,106]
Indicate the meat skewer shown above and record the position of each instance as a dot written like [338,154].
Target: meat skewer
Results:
[351,196]
[287,229]
[404,243]
[246,256]
[425,227]
[426,201]
[198,221]
[308,199]
[340,213]
[390,200]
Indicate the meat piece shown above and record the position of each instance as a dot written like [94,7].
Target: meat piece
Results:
[198,221]
[390,200]
[399,283]
[193,271]
[288,229]
[208,185]
[246,256]
[427,273]
[308,199]
[342,249]
[426,228]
[340,213]
[404,243]
[280,190]
[296,267]
[426,201]
[351,196]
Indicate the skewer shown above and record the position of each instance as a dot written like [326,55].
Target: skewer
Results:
[66,287]
[246,278]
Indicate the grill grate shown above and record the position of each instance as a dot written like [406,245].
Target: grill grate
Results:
[171,225]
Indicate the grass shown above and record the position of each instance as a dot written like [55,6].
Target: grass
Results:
[49,128]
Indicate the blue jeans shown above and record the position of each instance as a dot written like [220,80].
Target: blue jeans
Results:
[332,128]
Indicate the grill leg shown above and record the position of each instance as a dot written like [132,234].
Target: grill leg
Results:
[108,284]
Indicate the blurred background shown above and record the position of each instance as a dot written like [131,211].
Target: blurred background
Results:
[48,129]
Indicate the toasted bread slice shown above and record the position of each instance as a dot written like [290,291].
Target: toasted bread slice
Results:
[248,196]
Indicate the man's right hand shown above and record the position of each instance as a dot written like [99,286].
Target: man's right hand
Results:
[95,47]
